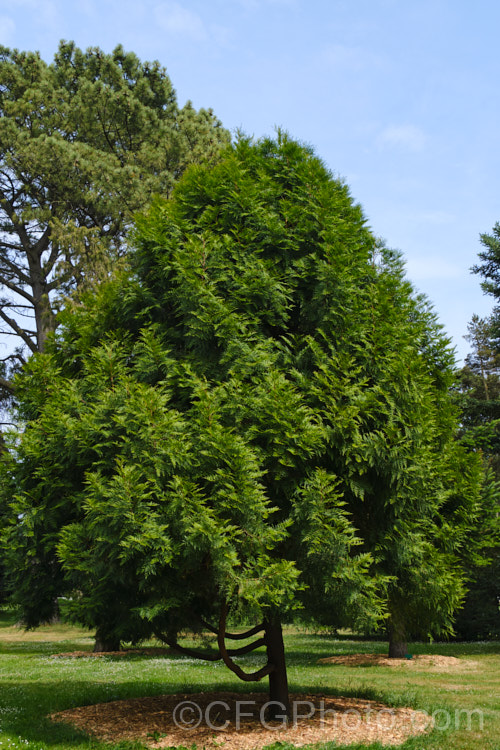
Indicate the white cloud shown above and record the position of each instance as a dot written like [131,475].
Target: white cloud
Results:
[407,137]
[7,29]
[431,268]
[174,19]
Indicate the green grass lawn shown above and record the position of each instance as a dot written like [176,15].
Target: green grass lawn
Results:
[33,684]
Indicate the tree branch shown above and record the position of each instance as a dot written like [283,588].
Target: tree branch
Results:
[234,636]
[16,269]
[16,355]
[246,649]
[230,664]
[16,289]
[8,386]
[18,226]
[209,656]
[214,656]
[18,330]
[43,242]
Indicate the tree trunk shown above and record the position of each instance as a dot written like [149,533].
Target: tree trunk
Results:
[398,645]
[106,642]
[278,680]
[45,320]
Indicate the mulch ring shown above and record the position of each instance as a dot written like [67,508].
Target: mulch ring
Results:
[158,651]
[430,662]
[236,721]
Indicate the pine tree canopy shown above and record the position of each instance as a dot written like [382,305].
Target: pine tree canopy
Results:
[84,143]
[252,420]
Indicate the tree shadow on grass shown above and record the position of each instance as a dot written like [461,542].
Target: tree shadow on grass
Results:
[25,707]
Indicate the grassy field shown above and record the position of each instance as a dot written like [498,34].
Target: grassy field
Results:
[33,684]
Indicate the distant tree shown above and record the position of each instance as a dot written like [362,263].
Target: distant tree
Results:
[479,393]
[248,423]
[479,617]
[84,143]
[415,500]
[489,267]
[484,334]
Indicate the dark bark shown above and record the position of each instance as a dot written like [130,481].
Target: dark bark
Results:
[205,655]
[278,679]
[226,655]
[33,275]
[275,668]
[106,642]
[44,317]
[234,636]
[7,385]
[398,642]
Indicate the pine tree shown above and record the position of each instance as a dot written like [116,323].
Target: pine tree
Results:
[84,143]
[479,382]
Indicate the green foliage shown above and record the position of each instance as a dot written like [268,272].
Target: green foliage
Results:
[480,616]
[479,398]
[489,267]
[479,390]
[84,143]
[257,412]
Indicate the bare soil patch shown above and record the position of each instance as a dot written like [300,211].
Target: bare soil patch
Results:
[236,721]
[430,662]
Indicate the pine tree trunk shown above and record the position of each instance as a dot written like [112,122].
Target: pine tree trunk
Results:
[278,680]
[45,321]
[398,644]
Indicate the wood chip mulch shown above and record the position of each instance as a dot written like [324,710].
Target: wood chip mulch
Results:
[125,652]
[432,662]
[210,720]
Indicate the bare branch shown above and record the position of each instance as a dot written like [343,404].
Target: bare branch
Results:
[17,289]
[18,226]
[16,355]
[7,385]
[43,242]
[12,333]
[210,655]
[51,261]
[9,245]
[214,656]
[230,664]
[248,648]
[24,335]
[234,636]
[16,269]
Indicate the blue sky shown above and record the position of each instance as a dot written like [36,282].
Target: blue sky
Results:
[398,97]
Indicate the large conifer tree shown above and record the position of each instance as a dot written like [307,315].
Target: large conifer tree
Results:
[254,420]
